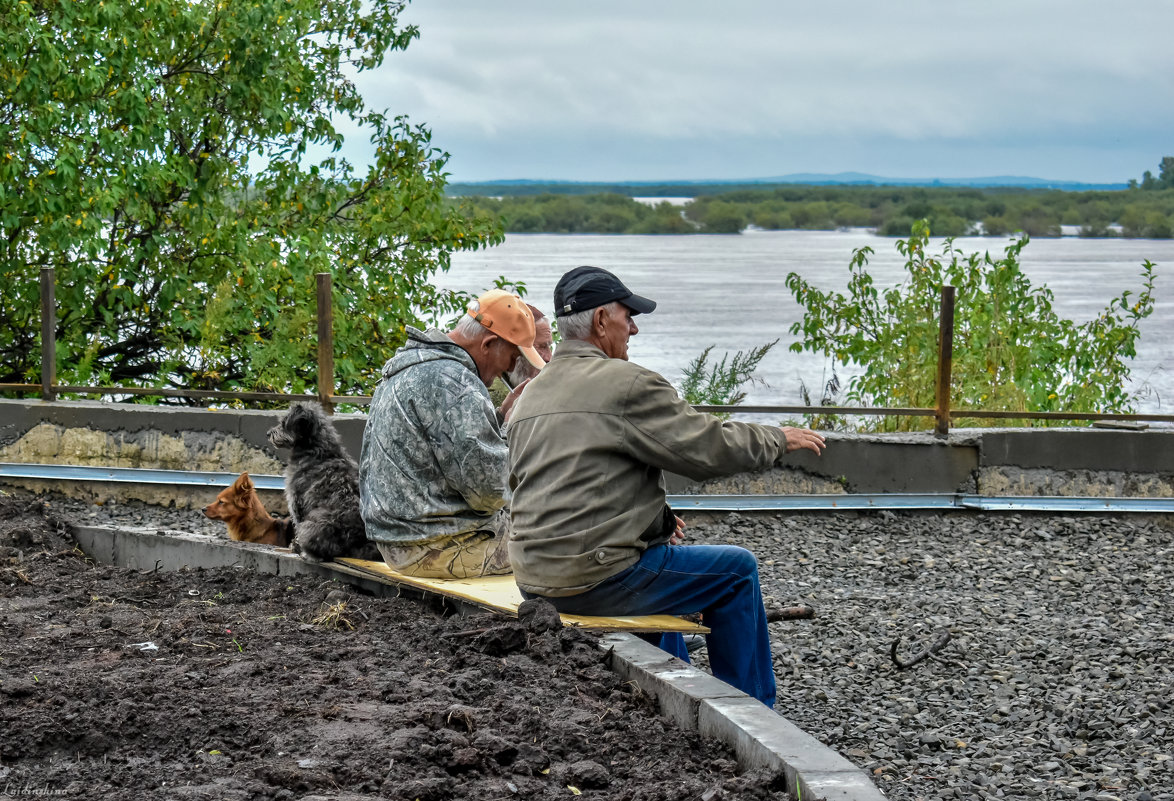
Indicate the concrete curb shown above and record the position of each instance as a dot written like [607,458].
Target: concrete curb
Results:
[759,737]
[694,700]
[148,549]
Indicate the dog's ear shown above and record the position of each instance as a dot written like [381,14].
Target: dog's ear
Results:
[244,484]
[299,419]
[307,420]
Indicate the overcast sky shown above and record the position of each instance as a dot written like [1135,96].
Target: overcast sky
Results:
[613,90]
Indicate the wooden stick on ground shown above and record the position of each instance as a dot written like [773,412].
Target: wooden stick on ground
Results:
[938,645]
[790,613]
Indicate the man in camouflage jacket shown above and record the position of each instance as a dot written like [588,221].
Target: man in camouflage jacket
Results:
[433,469]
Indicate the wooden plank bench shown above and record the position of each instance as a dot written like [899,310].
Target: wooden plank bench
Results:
[501,594]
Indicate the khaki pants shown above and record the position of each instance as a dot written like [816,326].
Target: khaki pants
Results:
[471,555]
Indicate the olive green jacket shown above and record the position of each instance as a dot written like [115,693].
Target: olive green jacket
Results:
[588,440]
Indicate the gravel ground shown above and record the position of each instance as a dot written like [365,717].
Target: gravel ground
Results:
[1056,681]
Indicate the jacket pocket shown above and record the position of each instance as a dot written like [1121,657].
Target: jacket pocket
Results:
[604,556]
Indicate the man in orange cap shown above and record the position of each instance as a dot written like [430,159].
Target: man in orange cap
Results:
[433,470]
[505,392]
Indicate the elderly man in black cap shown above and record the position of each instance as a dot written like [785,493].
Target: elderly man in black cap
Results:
[588,442]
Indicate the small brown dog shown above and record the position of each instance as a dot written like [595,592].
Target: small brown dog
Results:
[240,508]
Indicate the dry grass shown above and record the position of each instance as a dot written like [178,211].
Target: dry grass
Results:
[335,616]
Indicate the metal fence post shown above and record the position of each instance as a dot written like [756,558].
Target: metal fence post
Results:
[325,342]
[48,333]
[945,361]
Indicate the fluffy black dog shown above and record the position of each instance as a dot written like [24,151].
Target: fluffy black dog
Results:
[321,488]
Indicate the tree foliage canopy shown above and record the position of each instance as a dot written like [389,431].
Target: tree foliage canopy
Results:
[177,163]
[1012,352]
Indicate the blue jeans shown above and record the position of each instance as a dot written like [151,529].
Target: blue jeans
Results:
[720,582]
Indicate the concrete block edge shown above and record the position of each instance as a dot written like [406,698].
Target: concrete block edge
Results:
[759,737]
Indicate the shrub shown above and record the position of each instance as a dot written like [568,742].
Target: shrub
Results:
[1012,352]
[721,383]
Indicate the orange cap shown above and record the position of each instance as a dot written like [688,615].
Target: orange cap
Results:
[507,315]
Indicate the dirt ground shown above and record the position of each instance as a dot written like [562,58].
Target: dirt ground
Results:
[223,684]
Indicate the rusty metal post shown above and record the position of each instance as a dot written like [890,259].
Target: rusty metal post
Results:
[325,341]
[945,361]
[48,333]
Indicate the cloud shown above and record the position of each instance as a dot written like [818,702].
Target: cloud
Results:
[558,77]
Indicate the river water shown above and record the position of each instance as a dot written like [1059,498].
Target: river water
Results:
[730,292]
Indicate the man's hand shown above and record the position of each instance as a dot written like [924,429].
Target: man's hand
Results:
[678,535]
[507,405]
[803,438]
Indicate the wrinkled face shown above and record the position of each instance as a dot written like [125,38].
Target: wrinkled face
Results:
[543,343]
[543,340]
[613,328]
[494,357]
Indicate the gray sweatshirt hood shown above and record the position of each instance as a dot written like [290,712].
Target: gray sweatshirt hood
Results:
[427,346]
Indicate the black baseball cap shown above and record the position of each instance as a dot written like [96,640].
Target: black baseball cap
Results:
[586,288]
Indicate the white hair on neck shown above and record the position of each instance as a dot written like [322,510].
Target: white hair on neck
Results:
[468,327]
[578,325]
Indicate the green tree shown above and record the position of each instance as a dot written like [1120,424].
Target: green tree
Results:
[1158,226]
[1133,220]
[665,218]
[717,216]
[1166,172]
[773,220]
[996,226]
[177,163]
[1012,352]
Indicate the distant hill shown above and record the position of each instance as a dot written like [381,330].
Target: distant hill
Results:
[1020,181]
[691,188]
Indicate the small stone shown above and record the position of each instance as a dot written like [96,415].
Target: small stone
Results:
[539,615]
[589,774]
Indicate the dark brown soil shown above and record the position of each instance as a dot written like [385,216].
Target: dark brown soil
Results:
[223,684]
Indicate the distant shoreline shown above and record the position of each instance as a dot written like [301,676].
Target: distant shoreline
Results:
[1134,212]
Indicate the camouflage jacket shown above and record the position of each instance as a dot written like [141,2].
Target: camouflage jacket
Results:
[434,461]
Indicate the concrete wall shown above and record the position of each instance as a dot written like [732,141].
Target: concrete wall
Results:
[1071,461]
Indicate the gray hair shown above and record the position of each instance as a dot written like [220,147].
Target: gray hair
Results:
[578,325]
[468,327]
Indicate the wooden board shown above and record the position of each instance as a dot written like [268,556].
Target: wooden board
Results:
[501,594]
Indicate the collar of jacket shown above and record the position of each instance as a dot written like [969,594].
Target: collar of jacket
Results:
[572,348]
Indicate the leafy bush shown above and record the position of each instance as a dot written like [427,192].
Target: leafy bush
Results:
[720,384]
[1012,352]
[176,163]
